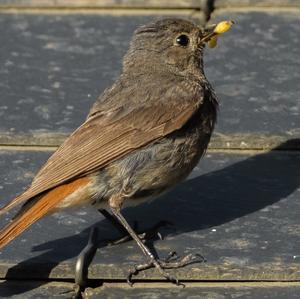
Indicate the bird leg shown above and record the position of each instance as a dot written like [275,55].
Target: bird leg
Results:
[160,265]
[88,252]
[144,235]
[113,221]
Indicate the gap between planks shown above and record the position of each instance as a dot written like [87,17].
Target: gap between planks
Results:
[248,152]
[219,142]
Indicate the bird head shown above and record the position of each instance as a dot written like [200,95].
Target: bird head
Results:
[172,44]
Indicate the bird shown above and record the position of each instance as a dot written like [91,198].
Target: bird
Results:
[142,136]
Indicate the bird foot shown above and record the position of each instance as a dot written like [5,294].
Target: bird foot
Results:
[173,261]
[149,234]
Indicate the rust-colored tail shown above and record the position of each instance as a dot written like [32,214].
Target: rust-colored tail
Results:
[38,209]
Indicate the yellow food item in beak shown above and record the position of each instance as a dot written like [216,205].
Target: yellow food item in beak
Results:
[223,27]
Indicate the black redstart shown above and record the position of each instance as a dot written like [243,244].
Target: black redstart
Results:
[142,136]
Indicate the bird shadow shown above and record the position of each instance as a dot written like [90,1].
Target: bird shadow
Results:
[216,197]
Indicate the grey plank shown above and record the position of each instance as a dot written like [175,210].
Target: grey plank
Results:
[197,291]
[256,3]
[34,289]
[255,73]
[240,211]
[53,67]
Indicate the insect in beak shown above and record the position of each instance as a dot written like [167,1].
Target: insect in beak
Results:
[212,32]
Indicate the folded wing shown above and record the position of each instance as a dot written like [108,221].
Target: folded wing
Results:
[105,138]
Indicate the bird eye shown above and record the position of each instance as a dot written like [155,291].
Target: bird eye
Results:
[182,40]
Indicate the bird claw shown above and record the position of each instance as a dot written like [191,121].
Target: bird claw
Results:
[172,261]
[171,256]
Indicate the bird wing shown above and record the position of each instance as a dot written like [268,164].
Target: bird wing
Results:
[105,138]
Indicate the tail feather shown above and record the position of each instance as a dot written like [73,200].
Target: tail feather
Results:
[33,212]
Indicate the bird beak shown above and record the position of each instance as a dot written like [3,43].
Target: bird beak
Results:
[211,33]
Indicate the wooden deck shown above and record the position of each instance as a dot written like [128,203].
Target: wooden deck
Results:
[239,208]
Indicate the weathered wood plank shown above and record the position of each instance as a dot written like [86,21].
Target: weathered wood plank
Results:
[241,212]
[254,78]
[34,289]
[197,290]
[200,272]
[55,66]
[153,290]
